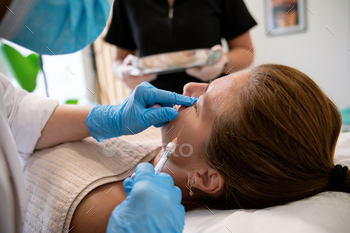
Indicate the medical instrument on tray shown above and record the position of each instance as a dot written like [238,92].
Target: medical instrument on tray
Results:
[170,148]
[174,61]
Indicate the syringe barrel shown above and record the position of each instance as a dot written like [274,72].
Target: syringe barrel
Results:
[171,147]
[160,164]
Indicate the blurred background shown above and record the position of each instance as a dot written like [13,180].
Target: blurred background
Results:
[318,44]
[323,56]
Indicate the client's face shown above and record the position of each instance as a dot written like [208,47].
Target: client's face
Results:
[195,123]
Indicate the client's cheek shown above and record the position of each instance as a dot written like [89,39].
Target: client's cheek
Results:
[174,127]
[183,153]
[176,160]
[183,150]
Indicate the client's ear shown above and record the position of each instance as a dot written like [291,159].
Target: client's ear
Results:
[209,181]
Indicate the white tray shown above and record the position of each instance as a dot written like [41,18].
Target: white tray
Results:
[175,61]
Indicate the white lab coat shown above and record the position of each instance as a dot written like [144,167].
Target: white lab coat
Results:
[22,117]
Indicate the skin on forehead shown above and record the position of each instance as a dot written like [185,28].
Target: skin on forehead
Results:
[226,90]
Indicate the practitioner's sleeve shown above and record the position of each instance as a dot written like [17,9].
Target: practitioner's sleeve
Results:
[120,30]
[27,115]
[236,19]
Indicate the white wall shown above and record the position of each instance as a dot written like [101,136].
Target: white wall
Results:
[64,73]
[316,52]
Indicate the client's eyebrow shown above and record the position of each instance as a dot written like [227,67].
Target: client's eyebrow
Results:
[204,94]
[207,87]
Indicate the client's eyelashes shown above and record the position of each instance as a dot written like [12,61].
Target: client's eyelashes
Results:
[195,105]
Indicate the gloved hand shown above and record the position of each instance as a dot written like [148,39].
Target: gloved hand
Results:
[130,75]
[153,204]
[209,72]
[133,116]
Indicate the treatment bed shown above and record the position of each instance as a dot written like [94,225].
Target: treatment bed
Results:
[327,212]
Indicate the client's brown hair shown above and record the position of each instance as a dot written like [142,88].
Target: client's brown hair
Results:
[278,146]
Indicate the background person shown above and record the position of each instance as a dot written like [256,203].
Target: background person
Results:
[152,27]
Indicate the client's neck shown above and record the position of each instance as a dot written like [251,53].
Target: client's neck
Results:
[156,158]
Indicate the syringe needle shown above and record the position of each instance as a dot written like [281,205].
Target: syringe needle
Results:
[181,130]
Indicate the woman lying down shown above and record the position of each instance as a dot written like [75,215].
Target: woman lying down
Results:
[254,139]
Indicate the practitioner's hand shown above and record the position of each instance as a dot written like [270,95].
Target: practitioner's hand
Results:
[209,72]
[134,114]
[125,73]
[153,204]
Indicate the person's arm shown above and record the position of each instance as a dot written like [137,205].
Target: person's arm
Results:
[27,115]
[71,123]
[67,123]
[120,55]
[37,122]
[240,54]
[134,114]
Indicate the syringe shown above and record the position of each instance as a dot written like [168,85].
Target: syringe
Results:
[170,148]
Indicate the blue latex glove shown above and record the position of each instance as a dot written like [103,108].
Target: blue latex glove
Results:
[133,116]
[153,204]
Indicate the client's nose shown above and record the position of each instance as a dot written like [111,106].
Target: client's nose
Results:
[194,89]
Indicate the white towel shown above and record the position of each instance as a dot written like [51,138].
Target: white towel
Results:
[58,178]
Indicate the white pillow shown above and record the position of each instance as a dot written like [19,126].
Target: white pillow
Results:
[327,212]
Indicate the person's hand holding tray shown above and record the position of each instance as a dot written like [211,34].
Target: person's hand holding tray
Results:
[176,61]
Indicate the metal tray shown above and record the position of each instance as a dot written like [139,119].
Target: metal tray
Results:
[175,61]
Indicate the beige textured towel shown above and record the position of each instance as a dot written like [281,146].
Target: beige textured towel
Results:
[58,178]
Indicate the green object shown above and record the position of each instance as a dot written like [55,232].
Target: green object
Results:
[25,68]
[72,102]
[345,114]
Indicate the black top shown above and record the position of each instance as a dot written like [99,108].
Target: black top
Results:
[150,27]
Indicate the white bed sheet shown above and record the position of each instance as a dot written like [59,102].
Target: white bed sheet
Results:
[327,212]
